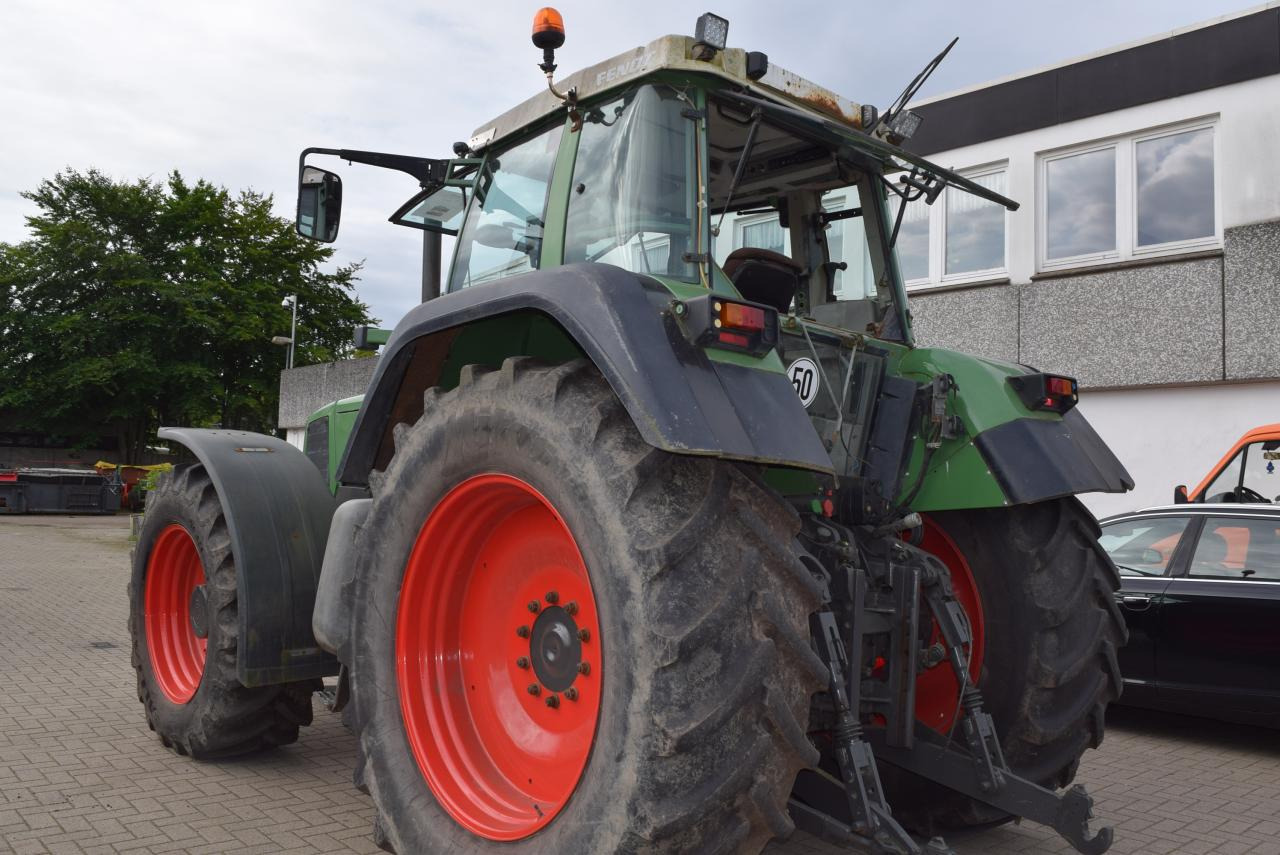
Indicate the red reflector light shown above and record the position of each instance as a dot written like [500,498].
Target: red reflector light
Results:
[1059,386]
[711,320]
[740,317]
[1051,392]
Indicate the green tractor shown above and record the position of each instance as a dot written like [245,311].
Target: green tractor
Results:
[630,549]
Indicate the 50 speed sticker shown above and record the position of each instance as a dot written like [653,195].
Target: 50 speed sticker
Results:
[804,377]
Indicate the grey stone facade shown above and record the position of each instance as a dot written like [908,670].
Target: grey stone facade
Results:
[304,390]
[1251,278]
[982,320]
[1149,325]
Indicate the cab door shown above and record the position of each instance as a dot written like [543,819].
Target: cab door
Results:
[1220,621]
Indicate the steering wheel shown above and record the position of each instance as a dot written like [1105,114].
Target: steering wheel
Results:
[1244,494]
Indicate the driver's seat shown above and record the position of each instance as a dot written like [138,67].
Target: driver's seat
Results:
[764,276]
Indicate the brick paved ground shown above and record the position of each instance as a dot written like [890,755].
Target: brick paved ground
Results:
[80,772]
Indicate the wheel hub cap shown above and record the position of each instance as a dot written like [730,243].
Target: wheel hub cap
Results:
[556,649]
[199,607]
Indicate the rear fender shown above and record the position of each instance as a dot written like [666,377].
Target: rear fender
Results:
[1006,454]
[278,510]
[679,398]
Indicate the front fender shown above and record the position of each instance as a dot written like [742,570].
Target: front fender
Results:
[278,509]
[679,399]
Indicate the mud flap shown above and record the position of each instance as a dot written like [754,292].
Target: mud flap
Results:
[278,509]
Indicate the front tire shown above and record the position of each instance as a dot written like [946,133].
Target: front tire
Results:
[700,670]
[185,631]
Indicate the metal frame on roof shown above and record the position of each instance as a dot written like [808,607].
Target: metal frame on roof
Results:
[669,53]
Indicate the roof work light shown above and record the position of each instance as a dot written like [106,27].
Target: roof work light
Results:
[710,34]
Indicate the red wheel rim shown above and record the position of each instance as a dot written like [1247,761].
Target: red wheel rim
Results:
[469,645]
[937,690]
[177,654]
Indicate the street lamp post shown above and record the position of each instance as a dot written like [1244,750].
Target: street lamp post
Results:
[292,300]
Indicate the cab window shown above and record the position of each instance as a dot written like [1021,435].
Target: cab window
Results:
[631,204]
[502,235]
[1143,547]
[316,445]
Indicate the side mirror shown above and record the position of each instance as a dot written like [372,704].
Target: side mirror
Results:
[1180,494]
[319,204]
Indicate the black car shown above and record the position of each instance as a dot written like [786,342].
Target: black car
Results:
[1200,592]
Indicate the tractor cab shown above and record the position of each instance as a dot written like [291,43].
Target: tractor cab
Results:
[647,160]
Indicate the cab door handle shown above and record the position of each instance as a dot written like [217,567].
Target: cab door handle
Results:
[1136,603]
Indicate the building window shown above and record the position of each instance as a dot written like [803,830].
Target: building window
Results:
[960,238]
[1081,211]
[1139,195]
[1175,187]
[974,239]
[913,242]
[764,235]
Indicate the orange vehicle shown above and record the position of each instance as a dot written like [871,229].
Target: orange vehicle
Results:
[1249,472]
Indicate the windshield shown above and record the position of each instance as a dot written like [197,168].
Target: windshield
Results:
[631,204]
[1250,476]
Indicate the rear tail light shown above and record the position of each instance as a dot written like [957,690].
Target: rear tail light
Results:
[1052,392]
[714,321]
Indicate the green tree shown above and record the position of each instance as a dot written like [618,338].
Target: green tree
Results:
[140,304]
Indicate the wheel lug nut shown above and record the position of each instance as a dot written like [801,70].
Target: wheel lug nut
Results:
[534,689]
[522,631]
[571,607]
[553,701]
[584,668]
[533,606]
[522,662]
[584,634]
[571,693]
[552,597]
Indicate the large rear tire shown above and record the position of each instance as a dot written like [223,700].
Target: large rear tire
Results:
[681,573]
[185,631]
[1050,630]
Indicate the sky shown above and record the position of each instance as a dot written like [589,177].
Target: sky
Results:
[232,91]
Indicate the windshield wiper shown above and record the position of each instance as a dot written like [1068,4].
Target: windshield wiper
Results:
[1137,571]
[756,116]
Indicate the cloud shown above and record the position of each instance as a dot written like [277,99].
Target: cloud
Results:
[232,91]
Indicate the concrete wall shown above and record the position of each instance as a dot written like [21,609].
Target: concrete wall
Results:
[1150,325]
[1167,437]
[304,390]
[1252,299]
